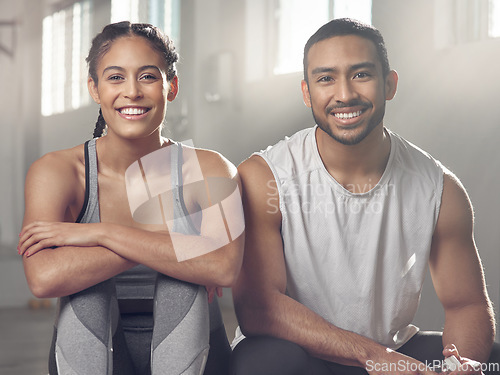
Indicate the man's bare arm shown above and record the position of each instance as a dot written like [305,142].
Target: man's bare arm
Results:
[458,276]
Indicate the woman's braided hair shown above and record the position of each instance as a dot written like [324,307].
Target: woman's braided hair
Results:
[103,42]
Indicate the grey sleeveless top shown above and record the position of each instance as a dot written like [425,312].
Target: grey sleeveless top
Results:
[139,281]
[356,259]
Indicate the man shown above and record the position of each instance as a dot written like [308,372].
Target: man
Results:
[342,221]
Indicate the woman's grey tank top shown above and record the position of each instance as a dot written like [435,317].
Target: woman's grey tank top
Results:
[139,281]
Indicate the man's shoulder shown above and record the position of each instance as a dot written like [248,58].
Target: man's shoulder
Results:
[291,154]
[254,169]
[289,143]
[290,150]
[280,161]
[413,157]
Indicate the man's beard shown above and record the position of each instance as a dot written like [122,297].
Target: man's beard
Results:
[374,121]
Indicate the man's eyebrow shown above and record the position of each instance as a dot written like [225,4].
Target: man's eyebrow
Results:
[363,65]
[324,69]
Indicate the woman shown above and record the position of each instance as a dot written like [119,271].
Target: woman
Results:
[128,304]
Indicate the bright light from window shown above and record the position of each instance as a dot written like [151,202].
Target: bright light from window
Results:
[494,19]
[163,14]
[124,10]
[297,20]
[158,13]
[76,56]
[65,42]
[59,66]
[357,9]
[46,66]
[53,67]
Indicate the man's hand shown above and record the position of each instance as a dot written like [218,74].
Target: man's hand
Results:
[467,366]
[394,363]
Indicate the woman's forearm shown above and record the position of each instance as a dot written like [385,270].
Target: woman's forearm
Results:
[66,270]
[98,251]
[197,259]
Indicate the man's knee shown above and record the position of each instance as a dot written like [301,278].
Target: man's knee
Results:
[268,356]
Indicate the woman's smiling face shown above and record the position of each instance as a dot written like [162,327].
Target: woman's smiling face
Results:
[132,87]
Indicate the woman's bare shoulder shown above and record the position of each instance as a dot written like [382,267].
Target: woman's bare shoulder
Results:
[62,166]
[67,158]
[215,164]
[55,186]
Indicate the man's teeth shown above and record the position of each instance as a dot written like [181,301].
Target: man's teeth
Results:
[347,115]
[133,111]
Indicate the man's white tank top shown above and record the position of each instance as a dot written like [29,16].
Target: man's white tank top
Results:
[357,260]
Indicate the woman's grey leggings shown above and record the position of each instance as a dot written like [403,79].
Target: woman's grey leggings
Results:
[88,334]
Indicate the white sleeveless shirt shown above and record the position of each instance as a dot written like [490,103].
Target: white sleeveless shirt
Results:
[357,260]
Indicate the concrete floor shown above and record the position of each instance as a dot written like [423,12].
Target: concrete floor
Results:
[25,336]
[25,340]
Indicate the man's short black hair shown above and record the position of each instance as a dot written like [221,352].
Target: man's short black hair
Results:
[348,26]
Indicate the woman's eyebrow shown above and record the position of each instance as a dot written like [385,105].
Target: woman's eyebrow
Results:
[113,67]
[146,67]
[119,68]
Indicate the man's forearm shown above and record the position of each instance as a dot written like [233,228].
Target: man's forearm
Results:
[287,319]
[472,330]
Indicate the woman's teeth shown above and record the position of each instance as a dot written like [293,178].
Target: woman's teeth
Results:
[133,111]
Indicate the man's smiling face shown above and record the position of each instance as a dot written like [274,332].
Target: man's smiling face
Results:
[346,88]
